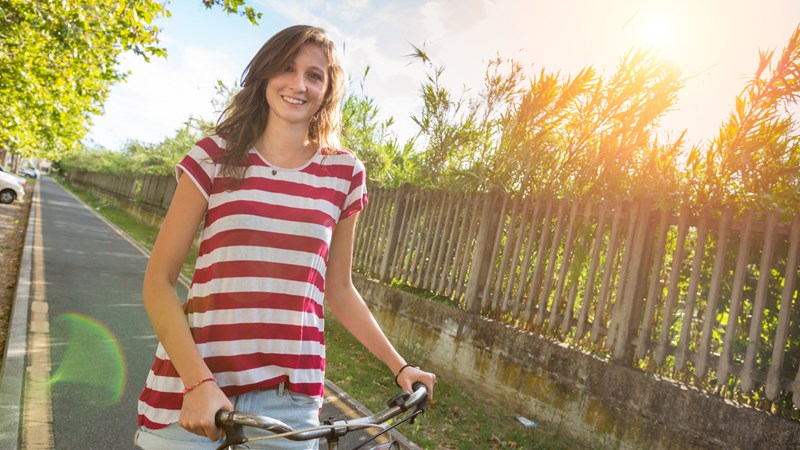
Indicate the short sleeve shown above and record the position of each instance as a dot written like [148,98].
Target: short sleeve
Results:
[199,165]
[357,196]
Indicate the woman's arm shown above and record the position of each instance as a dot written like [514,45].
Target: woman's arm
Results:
[166,314]
[348,306]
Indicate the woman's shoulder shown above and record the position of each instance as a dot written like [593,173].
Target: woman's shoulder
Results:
[340,155]
[329,150]
[213,146]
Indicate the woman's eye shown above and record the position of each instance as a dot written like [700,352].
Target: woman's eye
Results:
[315,76]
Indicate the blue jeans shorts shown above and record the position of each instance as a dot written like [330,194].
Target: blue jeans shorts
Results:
[296,410]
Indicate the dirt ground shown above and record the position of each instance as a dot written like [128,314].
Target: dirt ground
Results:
[13,222]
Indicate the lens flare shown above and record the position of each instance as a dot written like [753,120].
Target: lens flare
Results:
[93,361]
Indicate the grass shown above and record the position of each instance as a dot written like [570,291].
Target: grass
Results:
[458,419]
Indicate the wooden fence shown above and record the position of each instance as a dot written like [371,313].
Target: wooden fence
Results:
[708,298]
[151,193]
[671,292]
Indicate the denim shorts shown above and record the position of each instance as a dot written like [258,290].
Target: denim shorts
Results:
[296,410]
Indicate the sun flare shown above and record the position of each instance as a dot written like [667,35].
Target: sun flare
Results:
[658,29]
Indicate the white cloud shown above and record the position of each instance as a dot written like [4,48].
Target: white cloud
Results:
[160,96]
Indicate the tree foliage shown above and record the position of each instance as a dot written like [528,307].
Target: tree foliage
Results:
[238,7]
[58,60]
[372,139]
[138,157]
[754,161]
[589,136]
[569,136]
[598,137]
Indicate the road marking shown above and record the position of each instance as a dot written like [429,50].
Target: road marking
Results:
[37,417]
[342,406]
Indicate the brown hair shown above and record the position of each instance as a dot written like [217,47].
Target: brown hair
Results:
[245,118]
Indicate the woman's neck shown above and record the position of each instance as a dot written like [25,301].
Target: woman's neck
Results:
[287,147]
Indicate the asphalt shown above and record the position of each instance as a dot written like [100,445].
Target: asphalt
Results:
[80,343]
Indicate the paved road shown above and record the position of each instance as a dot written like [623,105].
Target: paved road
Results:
[101,343]
[101,340]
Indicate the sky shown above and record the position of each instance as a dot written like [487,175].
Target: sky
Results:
[715,43]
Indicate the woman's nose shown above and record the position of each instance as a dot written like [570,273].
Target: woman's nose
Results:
[298,82]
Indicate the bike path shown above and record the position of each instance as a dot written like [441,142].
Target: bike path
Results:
[101,343]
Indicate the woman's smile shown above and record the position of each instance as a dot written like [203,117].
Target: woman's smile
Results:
[293,100]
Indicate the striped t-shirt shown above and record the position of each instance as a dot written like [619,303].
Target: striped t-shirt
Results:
[255,303]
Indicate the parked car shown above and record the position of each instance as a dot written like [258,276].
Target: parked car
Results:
[10,189]
[21,180]
[30,172]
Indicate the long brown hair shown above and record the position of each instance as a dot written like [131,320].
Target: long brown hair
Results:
[245,118]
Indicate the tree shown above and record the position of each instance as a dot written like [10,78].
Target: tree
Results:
[566,136]
[754,161]
[372,140]
[448,133]
[137,157]
[58,60]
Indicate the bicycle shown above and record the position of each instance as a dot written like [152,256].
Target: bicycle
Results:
[233,422]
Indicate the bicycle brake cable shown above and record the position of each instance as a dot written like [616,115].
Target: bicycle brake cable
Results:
[390,428]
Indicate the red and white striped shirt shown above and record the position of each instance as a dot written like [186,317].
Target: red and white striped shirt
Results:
[255,303]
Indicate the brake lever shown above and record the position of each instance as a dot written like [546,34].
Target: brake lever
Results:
[399,400]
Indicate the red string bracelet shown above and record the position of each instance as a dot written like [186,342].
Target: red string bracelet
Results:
[186,390]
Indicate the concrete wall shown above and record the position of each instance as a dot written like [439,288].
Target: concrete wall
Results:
[611,405]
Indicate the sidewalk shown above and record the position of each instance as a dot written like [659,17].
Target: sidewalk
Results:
[13,369]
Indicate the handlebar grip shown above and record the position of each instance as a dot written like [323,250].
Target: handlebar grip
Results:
[234,432]
[218,417]
[421,389]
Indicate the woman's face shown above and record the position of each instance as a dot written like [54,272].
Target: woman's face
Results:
[297,91]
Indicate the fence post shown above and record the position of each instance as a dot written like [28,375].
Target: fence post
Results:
[484,242]
[394,232]
[747,373]
[631,301]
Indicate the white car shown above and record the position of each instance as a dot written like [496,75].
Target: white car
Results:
[21,180]
[30,172]
[10,188]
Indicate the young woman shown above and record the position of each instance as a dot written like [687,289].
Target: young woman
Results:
[280,202]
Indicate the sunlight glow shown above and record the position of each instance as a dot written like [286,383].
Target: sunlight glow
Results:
[659,29]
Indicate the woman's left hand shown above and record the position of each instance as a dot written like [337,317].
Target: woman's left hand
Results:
[411,375]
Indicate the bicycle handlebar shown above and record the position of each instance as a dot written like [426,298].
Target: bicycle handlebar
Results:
[234,421]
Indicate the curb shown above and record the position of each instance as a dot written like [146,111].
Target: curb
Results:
[13,371]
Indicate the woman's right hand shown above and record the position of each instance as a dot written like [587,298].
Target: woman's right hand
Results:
[200,405]
[406,379]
